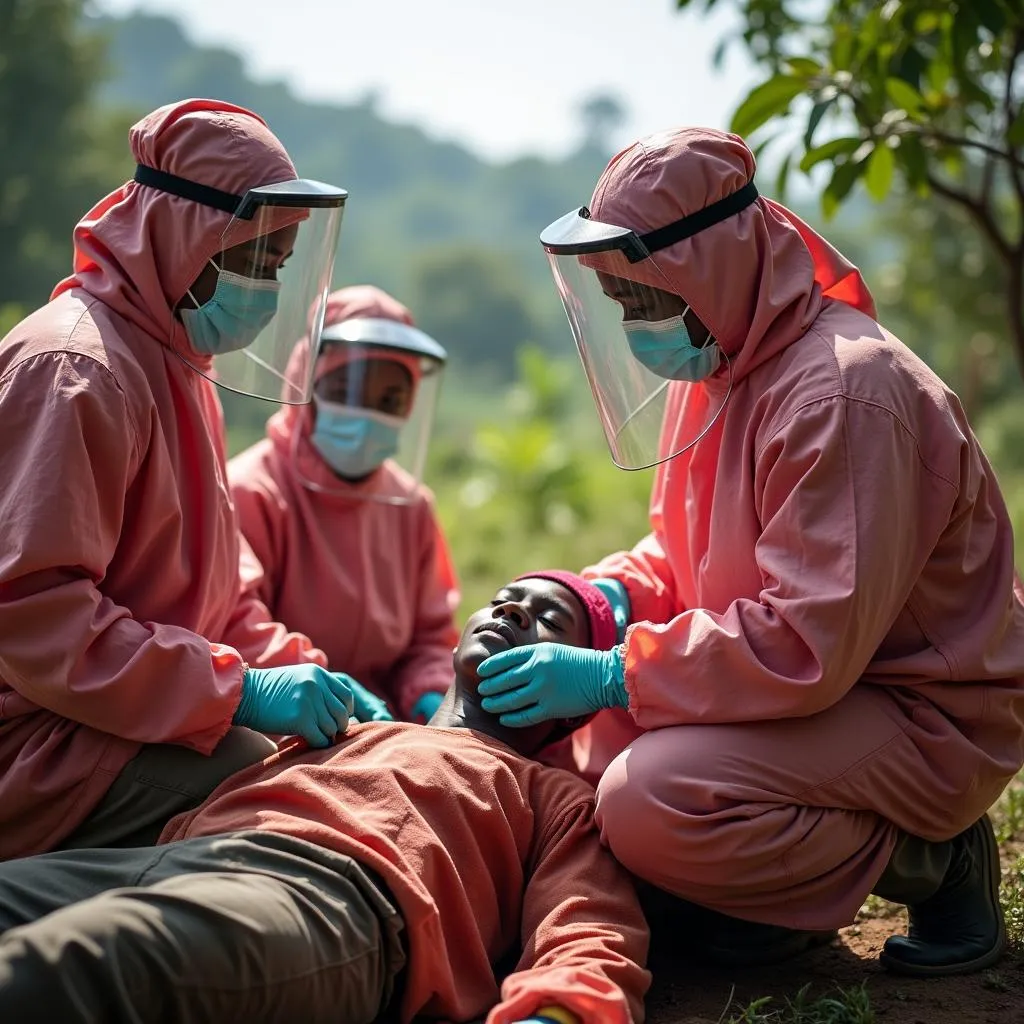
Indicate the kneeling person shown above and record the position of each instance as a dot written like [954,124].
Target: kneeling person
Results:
[388,874]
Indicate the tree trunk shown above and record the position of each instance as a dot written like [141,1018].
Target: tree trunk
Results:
[1015,304]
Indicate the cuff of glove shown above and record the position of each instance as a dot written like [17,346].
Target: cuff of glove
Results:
[555,1015]
[618,696]
[244,712]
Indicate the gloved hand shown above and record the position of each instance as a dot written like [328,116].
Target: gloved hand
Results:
[306,700]
[367,706]
[423,710]
[618,598]
[527,685]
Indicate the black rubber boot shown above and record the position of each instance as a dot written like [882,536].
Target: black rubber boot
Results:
[951,890]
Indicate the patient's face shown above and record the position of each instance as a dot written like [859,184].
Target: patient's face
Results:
[530,611]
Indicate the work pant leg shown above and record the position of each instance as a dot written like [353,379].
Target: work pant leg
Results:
[163,780]
[245,927]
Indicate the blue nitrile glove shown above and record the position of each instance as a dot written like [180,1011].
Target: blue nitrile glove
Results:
[527,685]
[618,598]
[367,706]
[423,710]
[304,700]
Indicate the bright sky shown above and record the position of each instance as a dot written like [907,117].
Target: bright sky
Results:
[502,78]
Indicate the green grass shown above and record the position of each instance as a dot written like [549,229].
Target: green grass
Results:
[1012,896]
[1008,814]
[846,1006]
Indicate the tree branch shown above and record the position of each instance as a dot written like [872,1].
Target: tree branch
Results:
[988,174]
[978,212]
[1015,170]
[1015,162]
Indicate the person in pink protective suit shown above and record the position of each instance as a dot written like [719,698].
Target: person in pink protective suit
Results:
[134,673]
[821,689]
[348,548]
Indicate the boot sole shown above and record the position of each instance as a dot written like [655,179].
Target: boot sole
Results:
[979,963]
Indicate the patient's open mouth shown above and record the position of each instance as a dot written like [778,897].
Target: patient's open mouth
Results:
[502,629]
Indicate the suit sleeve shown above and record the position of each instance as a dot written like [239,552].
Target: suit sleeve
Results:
[840,488]
[69,454]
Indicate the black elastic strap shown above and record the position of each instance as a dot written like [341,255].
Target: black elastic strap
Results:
[690,225]
[171,183]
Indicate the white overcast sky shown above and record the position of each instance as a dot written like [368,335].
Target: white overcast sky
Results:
[502,78]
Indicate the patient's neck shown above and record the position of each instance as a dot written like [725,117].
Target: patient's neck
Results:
[461,710]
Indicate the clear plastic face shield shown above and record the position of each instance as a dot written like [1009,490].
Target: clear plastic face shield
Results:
[659,380]
[374,400]
[266,289]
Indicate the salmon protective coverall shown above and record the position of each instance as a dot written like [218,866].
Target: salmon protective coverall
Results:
[827,639]
[122,621]
[369,580]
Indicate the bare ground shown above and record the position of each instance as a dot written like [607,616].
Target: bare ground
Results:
[685,994]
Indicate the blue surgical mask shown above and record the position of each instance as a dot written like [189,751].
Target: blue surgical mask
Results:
[665,348]
[354,441]
[234,315]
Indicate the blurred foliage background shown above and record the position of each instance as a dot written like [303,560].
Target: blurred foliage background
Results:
[519,464]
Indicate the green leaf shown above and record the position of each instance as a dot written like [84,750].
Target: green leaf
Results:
[938,73]
[828,151]
[912,158]
[904,95]
[910,66]
[1015,134]
[718,57]
[878,175]
[765,102]
[843,179]
[783,177]
[842,47]
[817,113]
[803,67]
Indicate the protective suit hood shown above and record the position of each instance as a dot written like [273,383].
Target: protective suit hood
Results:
[757,279]
[138,249]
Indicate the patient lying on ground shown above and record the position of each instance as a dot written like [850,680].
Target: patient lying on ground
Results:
[384,877]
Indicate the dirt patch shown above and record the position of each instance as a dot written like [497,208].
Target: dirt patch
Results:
[700,995]
[684,993]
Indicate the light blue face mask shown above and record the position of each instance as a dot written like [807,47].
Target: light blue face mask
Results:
[233,316]
[665,348]
[354,441]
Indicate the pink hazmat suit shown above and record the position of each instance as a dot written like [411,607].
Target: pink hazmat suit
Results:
[828,637]
[122,619]
[371,582]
